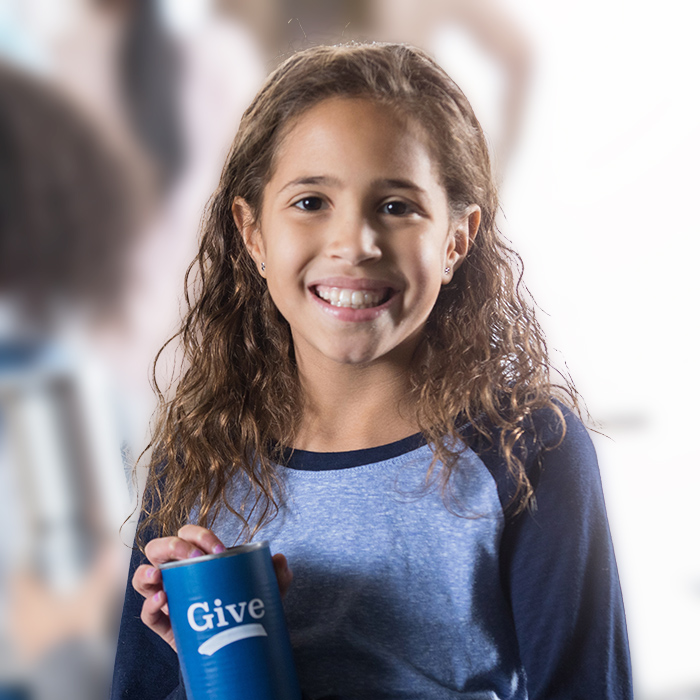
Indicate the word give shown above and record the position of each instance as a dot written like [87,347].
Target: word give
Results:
[201,619]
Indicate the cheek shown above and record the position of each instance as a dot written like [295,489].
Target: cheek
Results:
[288,259]
[428,265]
[286,263]
[429,260]
[283,239]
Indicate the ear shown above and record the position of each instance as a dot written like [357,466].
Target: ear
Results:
[463,233]
[250,231]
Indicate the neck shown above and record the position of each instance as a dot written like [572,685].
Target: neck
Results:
[350,408]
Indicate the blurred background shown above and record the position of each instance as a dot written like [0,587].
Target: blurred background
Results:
[115,119]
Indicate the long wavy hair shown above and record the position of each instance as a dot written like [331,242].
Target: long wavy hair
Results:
[482,358]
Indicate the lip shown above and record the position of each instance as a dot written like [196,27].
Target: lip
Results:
[346,313]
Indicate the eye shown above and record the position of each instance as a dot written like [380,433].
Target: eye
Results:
[309,204]
[396,208]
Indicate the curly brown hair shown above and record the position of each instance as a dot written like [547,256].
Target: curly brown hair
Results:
[482,358]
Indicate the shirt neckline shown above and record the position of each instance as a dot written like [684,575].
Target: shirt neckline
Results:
[305,460]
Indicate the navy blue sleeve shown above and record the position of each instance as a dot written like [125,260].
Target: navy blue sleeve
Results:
[558,567]
[145,668]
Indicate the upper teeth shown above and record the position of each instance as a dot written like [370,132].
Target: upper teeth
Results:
[353,298]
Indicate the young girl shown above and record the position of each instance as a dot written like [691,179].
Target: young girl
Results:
[366,389]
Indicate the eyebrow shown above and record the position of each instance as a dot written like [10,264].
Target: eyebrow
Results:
[312,180]
[392,183]
[398,184]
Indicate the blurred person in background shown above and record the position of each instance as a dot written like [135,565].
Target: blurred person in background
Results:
[69,216]
[88,290]
[169,79]
[285,26]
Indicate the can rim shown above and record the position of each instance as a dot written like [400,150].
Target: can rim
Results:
[230,552]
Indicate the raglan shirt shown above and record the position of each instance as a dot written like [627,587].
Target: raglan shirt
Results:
[406,591]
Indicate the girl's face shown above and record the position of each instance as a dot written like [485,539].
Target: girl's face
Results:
[354,233]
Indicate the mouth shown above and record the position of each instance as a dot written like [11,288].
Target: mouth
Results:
[343,297]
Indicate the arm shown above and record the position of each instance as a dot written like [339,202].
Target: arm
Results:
[145,668]
[559,568]
[501,37]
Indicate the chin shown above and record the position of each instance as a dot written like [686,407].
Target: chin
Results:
[351,356]
[353,359]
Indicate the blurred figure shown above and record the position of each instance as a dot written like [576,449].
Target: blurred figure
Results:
[167,80]
[288,25]
[85,301]
[68,221]
[151,74]
[219,70]
[494,31]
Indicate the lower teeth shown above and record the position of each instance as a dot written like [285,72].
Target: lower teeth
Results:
[351,306]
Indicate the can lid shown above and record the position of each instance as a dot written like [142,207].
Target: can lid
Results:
[230,552]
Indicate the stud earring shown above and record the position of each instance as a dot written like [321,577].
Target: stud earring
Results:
[447,270]
[262,266]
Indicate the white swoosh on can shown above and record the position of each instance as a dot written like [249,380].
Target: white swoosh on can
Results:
[213,644]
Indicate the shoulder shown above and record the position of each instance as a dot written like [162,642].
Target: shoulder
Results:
[562,455]
[565,521]
[555,453]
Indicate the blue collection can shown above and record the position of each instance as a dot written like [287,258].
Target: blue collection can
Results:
[229,626]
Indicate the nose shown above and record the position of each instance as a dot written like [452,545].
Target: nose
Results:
[354,239]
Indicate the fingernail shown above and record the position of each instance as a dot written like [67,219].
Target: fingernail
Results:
[158,597]
[194,553]
[219,548]
[150,572]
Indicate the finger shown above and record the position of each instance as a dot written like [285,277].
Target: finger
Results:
[282,572]
[202,538]
[156,619]
[165,549]
[147,580]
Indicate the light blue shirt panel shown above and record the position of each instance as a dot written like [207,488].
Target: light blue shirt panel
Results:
[394,595]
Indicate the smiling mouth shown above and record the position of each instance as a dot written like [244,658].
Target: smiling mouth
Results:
[353,298]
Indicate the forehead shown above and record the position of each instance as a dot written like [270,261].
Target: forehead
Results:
[346,132]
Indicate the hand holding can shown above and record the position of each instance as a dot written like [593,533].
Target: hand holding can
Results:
[223,614]
[191,541]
